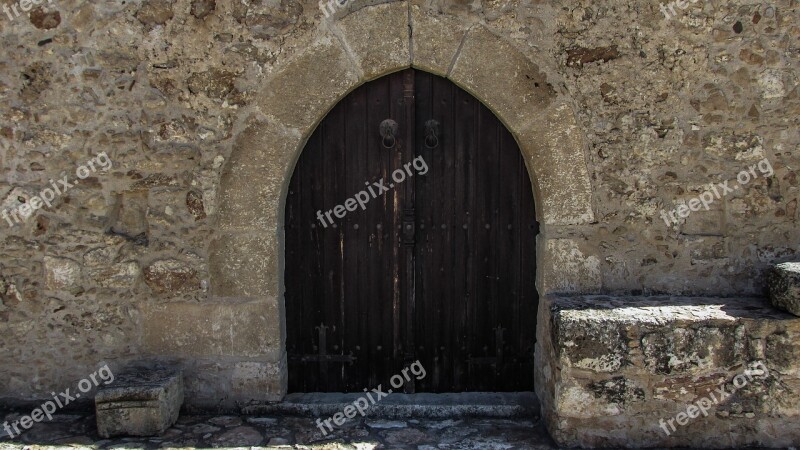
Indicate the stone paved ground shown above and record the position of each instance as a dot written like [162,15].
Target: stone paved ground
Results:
[297,432]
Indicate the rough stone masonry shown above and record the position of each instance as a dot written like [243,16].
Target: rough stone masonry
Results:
[175,253]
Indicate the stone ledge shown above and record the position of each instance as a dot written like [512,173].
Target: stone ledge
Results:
[784,287]
[612,371]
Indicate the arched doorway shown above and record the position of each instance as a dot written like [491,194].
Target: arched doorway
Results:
[410,235]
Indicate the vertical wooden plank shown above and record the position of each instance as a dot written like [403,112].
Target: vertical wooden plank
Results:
[483,296]
[426,237]
[508,268]
[444,157]
[471,133]
[354,156]
[377,110]
[406,193]
[461,146]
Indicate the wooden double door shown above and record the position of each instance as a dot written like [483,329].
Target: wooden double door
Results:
[410,235]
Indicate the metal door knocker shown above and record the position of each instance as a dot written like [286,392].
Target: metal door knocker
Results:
[431,134]
[388,131]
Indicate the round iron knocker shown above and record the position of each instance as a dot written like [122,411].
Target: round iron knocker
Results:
[391,140]
[431,134]
[388,129]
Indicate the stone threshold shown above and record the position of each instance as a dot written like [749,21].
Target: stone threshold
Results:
[407,406]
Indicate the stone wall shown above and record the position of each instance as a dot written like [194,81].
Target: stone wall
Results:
[164,256]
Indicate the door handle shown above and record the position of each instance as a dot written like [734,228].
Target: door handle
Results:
[431,134]
[388,130]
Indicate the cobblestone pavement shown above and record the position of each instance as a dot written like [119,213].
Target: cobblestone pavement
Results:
[295,432]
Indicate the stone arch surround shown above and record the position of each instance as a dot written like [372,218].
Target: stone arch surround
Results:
[244,314]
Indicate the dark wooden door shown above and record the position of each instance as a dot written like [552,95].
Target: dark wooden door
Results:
[437,267]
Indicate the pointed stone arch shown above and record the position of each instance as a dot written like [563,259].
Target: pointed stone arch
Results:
[246,257]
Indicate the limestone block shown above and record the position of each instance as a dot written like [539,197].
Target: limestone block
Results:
[129,214]
[140,402]
[255,379]
[436,40]
[60,273]
[299,94]
[120,275]
[567,266]
[378,37]
[244,265]
[264,152]
[554,151]
[170,276]
[246,329]
[784,287]
[518,95]
[613,371]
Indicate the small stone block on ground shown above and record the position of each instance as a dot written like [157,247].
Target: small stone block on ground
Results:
[784,287]
[141,402]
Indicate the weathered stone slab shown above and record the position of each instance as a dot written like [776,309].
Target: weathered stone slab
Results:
[264,152]
[554,152]
[436,40]
[244,265]
[300,93]
[625,371]
[784,287]
[245,329]
[516,97]
[379,38]
[250,380]
[567,266]
[141,402]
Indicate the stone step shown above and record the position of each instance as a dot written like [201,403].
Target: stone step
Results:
[406,406]
[783,282]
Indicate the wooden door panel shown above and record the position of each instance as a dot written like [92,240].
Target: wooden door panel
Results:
[336,274]
[379,300]
[471,210]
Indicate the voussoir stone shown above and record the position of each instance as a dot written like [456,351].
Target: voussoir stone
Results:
[554,149]
[784,287]
[264,151]
[516,97]
[303,90]
[379,38]
[436,40]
